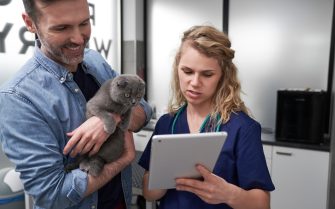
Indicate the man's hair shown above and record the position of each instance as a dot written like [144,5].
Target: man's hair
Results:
[30,7]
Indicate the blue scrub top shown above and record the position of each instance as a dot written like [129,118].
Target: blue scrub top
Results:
[241,161]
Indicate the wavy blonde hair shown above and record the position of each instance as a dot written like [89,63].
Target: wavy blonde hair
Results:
[214,44]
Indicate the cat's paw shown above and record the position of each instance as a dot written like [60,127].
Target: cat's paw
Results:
[88,114]
[92,166]
[109,129]
[95,169]
[84,166]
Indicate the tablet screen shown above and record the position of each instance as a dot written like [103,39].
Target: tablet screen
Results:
[176,155]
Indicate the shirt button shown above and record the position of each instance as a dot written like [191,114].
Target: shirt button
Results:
[62,79]
[76,90]
[93,206]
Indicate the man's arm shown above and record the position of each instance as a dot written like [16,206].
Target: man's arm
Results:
[137,119]
[112,169]
[140,116]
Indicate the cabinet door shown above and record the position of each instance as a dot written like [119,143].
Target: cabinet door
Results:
[268,156]
[141,139]
[300,177]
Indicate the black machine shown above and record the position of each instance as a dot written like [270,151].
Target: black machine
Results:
[301,116]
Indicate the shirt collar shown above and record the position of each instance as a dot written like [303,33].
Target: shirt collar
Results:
[59,71]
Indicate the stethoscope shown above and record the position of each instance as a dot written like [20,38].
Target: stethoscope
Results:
[203,125]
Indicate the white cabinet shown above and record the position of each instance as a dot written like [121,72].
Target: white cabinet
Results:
[141,139]
[300,177]
[4,161]
[268,156]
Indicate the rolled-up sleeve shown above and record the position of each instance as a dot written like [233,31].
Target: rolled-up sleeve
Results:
[147,109]
[34,143]
[76,185]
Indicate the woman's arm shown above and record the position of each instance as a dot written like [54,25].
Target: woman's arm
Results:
[151,195]
[250,199]
[214,190]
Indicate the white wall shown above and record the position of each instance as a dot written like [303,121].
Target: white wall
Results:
[107,30]
[279,44]
[133,37]
[167,19]
[331,179]
[133,20]
[10,42]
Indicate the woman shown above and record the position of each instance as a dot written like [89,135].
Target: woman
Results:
[206,98]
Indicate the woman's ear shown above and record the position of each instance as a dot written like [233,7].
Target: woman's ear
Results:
[29,22]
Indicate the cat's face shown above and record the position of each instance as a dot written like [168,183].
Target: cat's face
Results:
[128,89]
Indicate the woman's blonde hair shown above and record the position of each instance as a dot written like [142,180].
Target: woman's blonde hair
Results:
[215,44]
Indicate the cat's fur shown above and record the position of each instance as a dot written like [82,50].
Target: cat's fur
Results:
[117,95]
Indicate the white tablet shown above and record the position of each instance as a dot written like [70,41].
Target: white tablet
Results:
[176,155]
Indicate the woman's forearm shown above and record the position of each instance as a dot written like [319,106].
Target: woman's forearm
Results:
[249,199]
[151,195]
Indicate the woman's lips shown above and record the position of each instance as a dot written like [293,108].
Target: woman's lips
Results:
[193,94]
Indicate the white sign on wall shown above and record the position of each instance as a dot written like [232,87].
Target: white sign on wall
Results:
[16,43]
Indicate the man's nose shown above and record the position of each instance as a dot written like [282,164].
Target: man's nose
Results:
[77,36]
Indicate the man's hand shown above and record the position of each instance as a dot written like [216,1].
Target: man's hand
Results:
[88,137]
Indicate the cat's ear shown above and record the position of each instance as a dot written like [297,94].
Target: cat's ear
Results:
[122,83]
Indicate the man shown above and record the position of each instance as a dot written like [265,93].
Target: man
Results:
[44,105]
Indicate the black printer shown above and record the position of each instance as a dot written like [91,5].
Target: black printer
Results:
[301,116]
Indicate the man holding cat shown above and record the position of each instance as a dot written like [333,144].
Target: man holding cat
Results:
[44,105]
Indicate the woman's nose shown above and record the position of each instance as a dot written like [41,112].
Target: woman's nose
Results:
[195,80]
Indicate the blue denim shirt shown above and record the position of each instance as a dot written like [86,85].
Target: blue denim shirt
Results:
[37,108]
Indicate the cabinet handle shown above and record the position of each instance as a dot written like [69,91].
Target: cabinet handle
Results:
[141,135]
[284,153]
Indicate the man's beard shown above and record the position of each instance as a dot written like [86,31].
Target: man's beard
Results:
[56,53]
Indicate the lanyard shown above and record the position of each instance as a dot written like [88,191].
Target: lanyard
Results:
[203,125]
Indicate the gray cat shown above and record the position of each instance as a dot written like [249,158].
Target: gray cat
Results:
[117,96]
